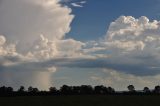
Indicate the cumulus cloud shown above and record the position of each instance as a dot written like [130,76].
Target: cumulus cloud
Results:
[135,39]
[2,40]
[47,49]
[7,50]
[22,21]
[17,69]
[131,45]
[130,34]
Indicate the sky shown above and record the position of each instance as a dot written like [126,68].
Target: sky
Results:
[47,43]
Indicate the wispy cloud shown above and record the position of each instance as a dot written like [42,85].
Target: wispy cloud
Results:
[83,2]
[78,4]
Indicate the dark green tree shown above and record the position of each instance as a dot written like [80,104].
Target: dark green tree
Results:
[131,88]
[146,90]
[21,89]
[157,89]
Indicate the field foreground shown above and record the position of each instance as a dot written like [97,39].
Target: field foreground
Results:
[96,100]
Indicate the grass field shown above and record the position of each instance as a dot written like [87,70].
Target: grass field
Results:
[81,101]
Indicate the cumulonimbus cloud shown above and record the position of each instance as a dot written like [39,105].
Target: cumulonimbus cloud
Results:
[22,21]
[21,24]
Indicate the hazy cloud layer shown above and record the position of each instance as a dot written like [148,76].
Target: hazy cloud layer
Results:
[120,80]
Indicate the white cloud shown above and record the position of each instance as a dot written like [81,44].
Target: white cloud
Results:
[131,34]
[2,40]
[33,34]
[70,48]
[21,24]
[83,2]
[23,21]
[48,49]
[133,38]
[130,45]
[78,4]
[5,49]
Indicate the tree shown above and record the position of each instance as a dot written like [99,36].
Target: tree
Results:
[21,89]
[9,89]
[86,89]
[146,90]
[52,90]
[35,90]
[157,89]
[3,89]
[111,90]
[76,89]
[32,90]
[6,90]
[101,89]
[131,88]
[65,89]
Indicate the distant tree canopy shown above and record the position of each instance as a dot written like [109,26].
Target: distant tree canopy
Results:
[131,88]
[75,90]
[4,89]
[146,90]
[33,90]
[52,89]
[21,89]
[157,89]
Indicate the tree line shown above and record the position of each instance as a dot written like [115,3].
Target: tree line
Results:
[76,90]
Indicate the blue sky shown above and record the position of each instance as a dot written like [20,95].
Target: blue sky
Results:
[91,21]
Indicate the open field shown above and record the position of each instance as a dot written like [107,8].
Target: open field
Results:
[81,101]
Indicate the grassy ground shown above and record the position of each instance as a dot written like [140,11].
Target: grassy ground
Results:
[81,101]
